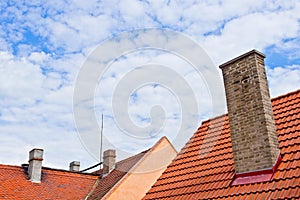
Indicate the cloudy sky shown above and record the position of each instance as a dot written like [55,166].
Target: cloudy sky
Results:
[45,44]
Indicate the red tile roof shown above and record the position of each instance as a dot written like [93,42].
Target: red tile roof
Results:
[204,168]
[55,184]
[105,183]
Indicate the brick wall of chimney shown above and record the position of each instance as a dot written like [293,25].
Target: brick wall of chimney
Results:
[252,126]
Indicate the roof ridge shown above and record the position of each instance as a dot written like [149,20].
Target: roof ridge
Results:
[76,175]
[133,156]
[145,151]
[9,166]
[285,95]
[214,118]
[61,170]
[272,99]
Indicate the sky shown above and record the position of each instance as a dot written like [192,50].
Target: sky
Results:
[44,46]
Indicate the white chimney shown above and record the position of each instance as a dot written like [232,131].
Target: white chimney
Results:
[74,166]
[109,161]
[35,165]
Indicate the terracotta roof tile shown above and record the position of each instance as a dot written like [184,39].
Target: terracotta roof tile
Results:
[204,169]
[55,184]
[104,184]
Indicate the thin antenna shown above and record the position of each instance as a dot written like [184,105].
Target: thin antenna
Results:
[101,139]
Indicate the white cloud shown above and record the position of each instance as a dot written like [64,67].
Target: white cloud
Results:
[43,46]
[148,96]
[15,85]
[258,30]
[283,79]
[38,57]
[36,111]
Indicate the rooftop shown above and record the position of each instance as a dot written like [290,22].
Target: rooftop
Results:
[105,184]
[55,184]
[204,168]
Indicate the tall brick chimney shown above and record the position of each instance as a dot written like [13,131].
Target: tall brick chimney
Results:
[252,126]
[35,165]
[109,161]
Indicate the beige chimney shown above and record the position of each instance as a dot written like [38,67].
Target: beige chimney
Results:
[74,166]
[252,127]
[109,161]
[35,165]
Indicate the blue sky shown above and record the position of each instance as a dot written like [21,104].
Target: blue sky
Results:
[43,45]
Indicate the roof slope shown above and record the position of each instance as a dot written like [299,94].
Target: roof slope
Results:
[133,177]
[204,168]
[104,184]
[55,184]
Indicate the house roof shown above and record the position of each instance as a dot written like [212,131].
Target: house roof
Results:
[204,168]
[55,184]
[106,183]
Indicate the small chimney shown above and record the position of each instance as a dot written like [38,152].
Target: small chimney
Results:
[109,161]
[252,127]
[35,165]
[75,166]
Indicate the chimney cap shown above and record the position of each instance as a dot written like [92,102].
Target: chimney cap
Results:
[36,154]
[242,56]
[74,166]
[75,163]
[109,153]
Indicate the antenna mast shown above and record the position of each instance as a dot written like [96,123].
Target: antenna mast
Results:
[101,138]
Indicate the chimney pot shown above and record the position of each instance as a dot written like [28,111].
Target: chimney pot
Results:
[74,166]
[252,126]
[109,161]
[35,165]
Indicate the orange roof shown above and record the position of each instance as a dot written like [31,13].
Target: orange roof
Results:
[55,184]
[105,183]
[204,168]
